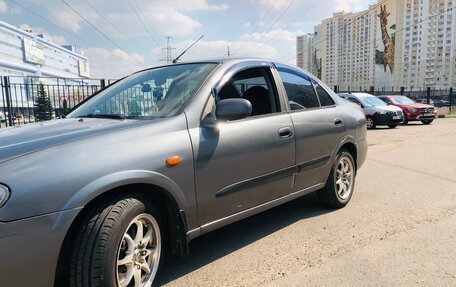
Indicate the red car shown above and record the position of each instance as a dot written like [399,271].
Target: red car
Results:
[413,111]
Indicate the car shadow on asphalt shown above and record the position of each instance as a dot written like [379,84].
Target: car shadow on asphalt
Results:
[221,242]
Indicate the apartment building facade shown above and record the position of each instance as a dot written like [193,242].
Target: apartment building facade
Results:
[304,48]
[393,43]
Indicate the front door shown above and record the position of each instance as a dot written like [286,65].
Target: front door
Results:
[247,162]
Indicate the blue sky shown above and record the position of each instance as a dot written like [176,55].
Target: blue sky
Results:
[260,28]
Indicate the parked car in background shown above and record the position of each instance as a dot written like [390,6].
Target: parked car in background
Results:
[2,117]
[413,111]
[162,157]
[377,112]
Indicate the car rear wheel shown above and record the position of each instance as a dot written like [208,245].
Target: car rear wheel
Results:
[118,243]
[426,122]
[370,123]
[392,126]
[341,182]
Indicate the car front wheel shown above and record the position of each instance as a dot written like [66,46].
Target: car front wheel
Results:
[370,123]
[118,243]
[341,182]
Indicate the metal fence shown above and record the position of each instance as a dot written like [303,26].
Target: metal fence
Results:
[18,97]
[442,98]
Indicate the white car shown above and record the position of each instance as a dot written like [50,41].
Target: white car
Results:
[377,111]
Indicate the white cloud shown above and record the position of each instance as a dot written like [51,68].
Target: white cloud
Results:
[67,19]
[3,6]
[274,4]
[112,64]
[277,34]
[349,5]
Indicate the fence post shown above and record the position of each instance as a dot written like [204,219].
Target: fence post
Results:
[8,100]
[428,95]
[402,91]
[102,83]
[335,89]
[451,98]
[372,90]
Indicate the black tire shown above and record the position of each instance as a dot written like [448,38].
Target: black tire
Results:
[427,122]
[405,120]
[392,126]
[372,125]
[95,248]
[329,195]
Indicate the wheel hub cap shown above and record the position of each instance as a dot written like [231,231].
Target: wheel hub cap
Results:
[139,253]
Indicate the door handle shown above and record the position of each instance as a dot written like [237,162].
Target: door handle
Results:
[338,122]
[285,132]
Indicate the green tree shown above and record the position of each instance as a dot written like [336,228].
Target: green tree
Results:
[65,107]
[43,109]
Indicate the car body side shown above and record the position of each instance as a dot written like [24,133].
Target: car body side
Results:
[107,163]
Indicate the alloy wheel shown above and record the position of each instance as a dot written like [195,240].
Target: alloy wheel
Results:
[138,255]
[344,177]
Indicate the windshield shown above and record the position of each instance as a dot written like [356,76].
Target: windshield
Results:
[401,100]
[372,102]
[155,93]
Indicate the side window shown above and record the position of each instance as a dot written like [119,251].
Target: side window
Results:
[300,92]
[325,98]
[255,86]
[384,99]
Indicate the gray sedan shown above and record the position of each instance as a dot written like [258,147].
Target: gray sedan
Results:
[162,157]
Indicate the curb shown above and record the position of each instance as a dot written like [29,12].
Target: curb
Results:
[446,116]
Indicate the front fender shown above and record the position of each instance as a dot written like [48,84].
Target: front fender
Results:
[122,178]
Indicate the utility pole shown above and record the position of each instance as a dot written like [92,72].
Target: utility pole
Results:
[169,51]
[229,54]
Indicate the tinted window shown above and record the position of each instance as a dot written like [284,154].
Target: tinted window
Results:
[325,98]
[255,86]
[300,92]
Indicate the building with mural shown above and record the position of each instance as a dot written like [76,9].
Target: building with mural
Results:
[393,43]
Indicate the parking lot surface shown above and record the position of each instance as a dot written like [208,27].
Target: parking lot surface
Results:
[399,228]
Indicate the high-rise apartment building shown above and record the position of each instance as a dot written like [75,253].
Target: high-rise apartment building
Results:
[304,49]
[344,49]
[428,44]
[393,43]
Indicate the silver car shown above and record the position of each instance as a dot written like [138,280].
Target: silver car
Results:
[377,111]
[162,157]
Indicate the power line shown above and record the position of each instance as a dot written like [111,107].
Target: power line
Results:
[49,22]
[295,19]
[102,33]
[273,24]
[262,18]
[104,18]
[143,22]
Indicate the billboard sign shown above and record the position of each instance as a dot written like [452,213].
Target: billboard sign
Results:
[84,70]
[33,51]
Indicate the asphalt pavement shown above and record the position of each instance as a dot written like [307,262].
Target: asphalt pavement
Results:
[398,230]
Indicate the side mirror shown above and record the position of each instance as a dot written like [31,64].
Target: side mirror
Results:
[233,109]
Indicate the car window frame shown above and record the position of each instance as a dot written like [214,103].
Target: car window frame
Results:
[228,76]
[299,74]
[315,83]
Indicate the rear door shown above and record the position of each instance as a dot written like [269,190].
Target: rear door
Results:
[244,163]
[317,127]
